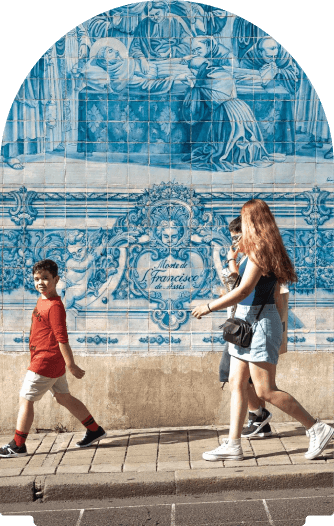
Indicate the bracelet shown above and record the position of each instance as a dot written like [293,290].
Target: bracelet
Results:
[228,260]
[208,306]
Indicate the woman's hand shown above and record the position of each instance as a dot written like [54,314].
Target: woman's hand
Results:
[233,252]
[199,311]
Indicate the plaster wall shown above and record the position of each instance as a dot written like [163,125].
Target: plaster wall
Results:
[167,390]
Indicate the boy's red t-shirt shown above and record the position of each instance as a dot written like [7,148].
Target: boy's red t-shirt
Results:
[48,327]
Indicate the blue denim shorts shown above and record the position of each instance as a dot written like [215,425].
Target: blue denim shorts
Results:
[267,334]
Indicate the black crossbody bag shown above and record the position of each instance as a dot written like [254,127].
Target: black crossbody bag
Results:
[238,331]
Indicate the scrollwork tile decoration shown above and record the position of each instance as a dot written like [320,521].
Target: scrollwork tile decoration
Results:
[150,125]
[96,340]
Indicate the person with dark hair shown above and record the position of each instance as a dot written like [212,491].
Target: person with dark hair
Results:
[50,353]
[273,63]
[159,36]
[47,265]
[267,264]
[258,417]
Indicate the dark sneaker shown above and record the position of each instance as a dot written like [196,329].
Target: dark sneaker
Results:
[264,432]
[256,424]
[91,437]
[12,450]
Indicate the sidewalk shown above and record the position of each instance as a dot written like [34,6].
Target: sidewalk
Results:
[140,462]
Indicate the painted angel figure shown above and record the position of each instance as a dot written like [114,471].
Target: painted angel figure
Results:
[170,225]
[83,252]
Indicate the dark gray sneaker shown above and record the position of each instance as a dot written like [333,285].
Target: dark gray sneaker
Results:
[91,437]
[12,450]
[258,425]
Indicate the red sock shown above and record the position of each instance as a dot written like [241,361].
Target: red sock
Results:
[90,423]
[20,438]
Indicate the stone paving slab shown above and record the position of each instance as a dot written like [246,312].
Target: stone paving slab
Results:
[108,456]
[107,468]
[173,465]
[83,468]
[38,470]
[141,467]
[10,472]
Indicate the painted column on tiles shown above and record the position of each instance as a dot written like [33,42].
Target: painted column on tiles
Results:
[130,146]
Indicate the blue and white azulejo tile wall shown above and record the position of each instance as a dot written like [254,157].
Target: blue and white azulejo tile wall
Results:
[129,147]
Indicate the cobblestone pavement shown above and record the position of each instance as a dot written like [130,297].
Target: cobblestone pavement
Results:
[156,450]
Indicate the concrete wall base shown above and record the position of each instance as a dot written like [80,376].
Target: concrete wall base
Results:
[169,390]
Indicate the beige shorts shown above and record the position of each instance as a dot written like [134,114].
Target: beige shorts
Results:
[35,386]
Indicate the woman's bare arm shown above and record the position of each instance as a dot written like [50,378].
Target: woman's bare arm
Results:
[249,281]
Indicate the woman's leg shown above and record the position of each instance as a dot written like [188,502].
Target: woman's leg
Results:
[254,402]
[263,376]
[238,379]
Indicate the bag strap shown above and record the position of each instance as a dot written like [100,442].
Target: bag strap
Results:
[267,298]
[236,284]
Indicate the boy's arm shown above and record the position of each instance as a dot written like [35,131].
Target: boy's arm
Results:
[57,319]
[66,351]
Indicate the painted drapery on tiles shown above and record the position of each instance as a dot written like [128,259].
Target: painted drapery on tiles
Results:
[129,147]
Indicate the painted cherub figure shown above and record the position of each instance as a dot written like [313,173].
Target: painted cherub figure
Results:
[83,251]
[169,232]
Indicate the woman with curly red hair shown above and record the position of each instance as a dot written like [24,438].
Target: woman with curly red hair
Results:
[267,265]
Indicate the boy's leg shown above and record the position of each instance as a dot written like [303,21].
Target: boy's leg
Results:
[17,447]
[25,417]
[80,411]
[73,405]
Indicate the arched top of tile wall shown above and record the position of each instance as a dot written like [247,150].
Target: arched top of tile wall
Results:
[130,54]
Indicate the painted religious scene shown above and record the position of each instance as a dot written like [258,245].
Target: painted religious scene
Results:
[129,147]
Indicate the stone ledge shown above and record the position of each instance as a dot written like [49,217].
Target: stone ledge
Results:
[256,478]
[104,485]
[17,489]
[101,485]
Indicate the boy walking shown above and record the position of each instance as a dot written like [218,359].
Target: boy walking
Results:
[50,353]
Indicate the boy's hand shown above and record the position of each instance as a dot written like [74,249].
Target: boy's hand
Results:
[76,371]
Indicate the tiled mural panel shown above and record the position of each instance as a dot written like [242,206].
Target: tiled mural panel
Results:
[130,146]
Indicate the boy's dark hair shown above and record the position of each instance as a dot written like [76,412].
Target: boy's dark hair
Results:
[46,264]
[235,225]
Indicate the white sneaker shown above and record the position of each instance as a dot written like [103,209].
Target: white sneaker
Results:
[224,452]
[319,435]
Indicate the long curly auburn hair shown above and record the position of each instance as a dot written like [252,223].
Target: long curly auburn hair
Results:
[263,243]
